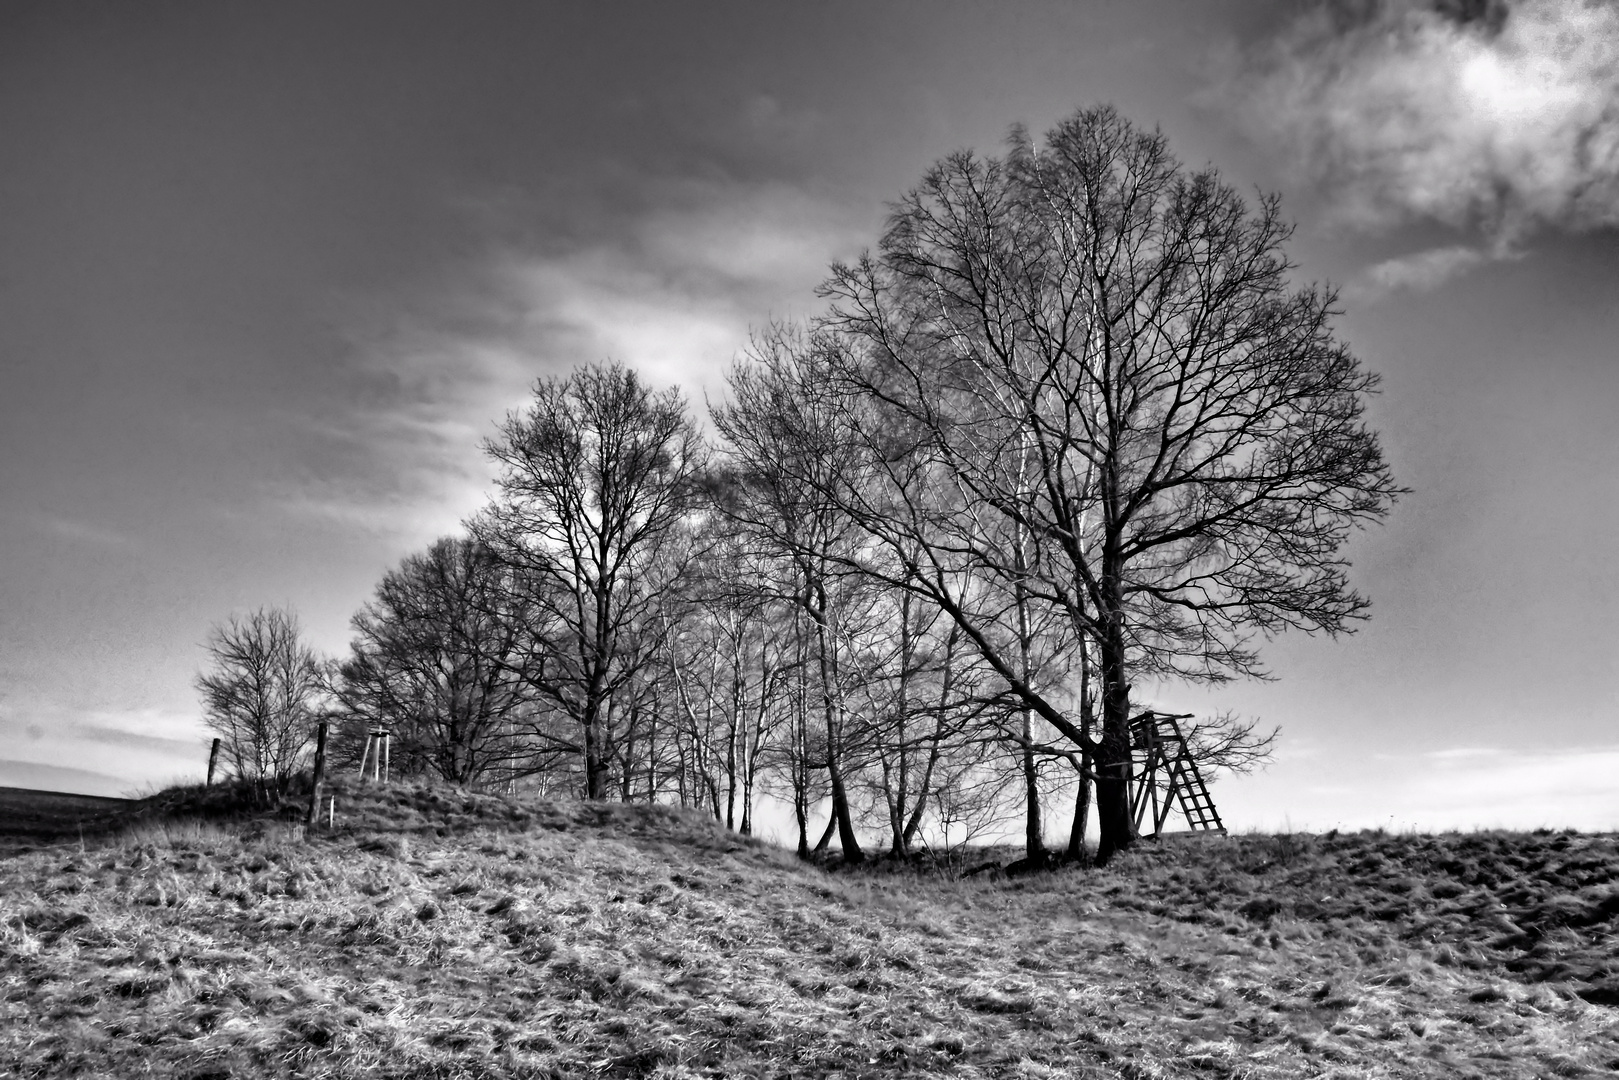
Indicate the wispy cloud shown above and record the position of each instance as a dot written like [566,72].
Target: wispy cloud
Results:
[74,529]
[99,751]
[1499,118]
[153,728]
[672,291]
[1419,272]
[676,295]
[123,736]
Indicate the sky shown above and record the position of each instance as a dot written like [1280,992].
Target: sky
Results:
[269,273]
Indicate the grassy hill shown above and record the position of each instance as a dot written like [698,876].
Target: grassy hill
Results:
[33,816]
[439,934]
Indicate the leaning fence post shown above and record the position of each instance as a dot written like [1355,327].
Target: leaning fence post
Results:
[320,774]
[213,759]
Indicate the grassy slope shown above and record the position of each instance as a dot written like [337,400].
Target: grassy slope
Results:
[441,934]
[28,815]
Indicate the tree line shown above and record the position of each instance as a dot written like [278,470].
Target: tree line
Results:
[1068,427]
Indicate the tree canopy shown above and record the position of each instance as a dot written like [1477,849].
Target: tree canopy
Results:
[1081,373]
[1068,427]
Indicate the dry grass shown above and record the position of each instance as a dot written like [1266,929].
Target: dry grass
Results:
[439,934]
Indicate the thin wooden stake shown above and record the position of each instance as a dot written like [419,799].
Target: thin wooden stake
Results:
[213,759]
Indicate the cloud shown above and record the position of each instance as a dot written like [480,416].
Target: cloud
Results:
[669,286]
[677,302]
[1500,118]
[101,751]
[119,736]
[672,292]
[407,460]
[1420,272]
[71,529]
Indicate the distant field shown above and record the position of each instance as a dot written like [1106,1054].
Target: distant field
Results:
[441,934]
[43,815]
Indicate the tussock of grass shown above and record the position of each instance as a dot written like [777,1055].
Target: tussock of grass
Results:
[445,934]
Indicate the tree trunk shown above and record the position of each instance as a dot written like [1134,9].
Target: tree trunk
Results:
[1087,759]
[827,833]
[714,797]
[595,767]
[898,795]
[799,761]
[832,705]
[1033,826]
[1082,811]
[1034,841]
[840,814]
[318,777]
[896,824]
[926,786]
[735,814]
[1113,764]
[626,776]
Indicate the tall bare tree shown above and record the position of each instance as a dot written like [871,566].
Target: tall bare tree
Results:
[1085,378]
[787,454]
[262,695]
[595,477]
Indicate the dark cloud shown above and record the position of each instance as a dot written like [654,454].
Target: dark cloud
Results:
[1488,15]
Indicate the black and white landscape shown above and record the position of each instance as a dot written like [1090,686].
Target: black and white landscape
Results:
[722,539]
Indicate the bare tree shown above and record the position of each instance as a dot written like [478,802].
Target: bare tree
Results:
[794,764]
[262,695]
[595,477]
[786,451]
[438,659]
[1084,379]
[970,803]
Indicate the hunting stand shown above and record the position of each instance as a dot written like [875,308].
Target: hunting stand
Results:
[1160,760]
[378,743]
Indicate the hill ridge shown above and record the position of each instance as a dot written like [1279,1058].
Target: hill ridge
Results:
[442,933]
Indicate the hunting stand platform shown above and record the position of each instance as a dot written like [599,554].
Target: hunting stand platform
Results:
[1160,760]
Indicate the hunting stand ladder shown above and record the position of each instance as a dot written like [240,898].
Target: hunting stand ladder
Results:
[1160,759]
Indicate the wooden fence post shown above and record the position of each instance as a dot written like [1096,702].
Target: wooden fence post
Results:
[213,759]
[320,774]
